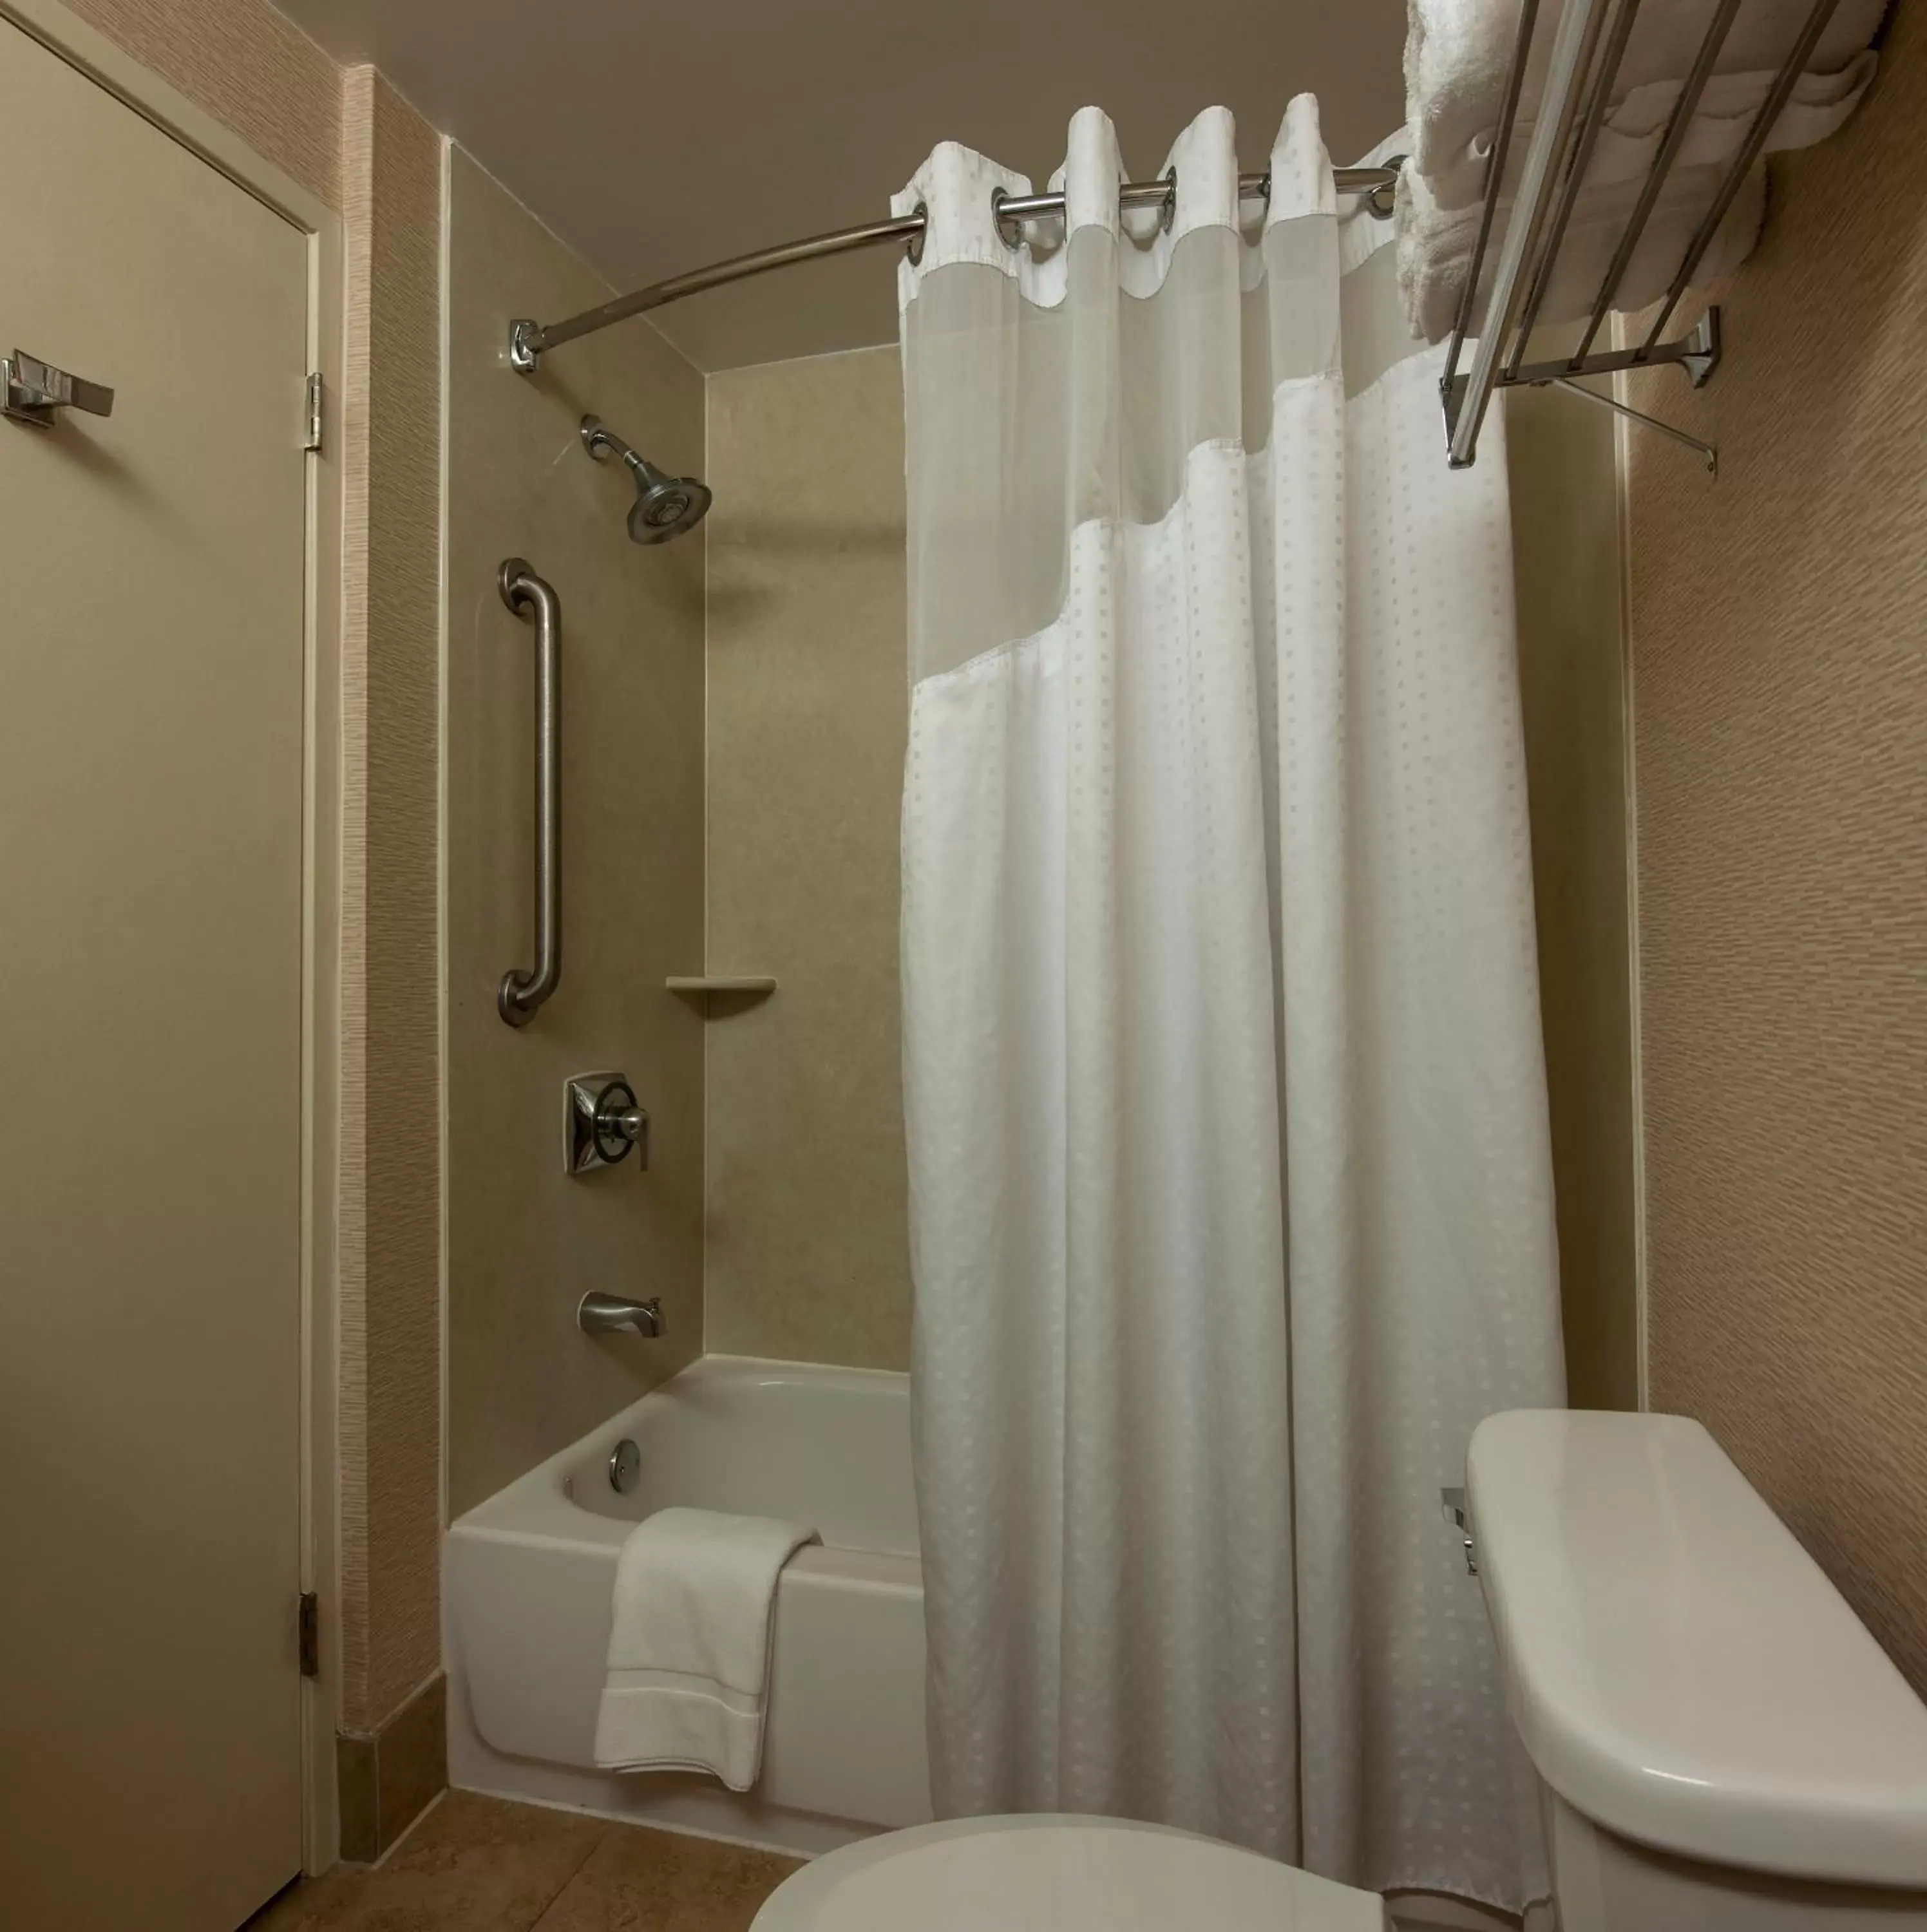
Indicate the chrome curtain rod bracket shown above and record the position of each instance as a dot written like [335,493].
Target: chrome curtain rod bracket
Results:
[529,340]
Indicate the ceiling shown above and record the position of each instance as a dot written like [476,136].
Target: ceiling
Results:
[657,138]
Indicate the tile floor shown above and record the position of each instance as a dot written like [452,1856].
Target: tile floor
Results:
[478,1864]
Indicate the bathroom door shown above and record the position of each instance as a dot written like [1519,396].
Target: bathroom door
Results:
[151,723]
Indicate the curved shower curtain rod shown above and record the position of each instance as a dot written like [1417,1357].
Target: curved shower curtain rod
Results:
[529,340]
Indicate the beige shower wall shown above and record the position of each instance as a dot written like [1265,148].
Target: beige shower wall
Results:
[525,1239]
[1780,702]
[807,1249]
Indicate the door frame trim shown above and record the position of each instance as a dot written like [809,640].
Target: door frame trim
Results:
[64,33]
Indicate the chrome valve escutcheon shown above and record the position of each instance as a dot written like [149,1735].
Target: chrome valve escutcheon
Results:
[602,1123]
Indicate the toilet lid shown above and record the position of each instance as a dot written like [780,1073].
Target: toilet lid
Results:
[1057,1874]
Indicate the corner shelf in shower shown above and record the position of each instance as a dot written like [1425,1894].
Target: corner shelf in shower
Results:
[718,993]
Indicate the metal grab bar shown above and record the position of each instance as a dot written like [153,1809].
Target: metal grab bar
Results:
[521,993]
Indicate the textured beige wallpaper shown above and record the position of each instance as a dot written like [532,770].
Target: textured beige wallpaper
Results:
[390,1397]
[249,67]
[525,1239]
[1567,570]
[807,1249]
[1780,704]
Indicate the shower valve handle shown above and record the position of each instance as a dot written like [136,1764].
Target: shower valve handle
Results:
[601,1123]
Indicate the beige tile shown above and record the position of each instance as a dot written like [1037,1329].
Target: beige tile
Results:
[413,1761]
[311,1902]
[290,1911]
[357,1790]
[473,1864]
[643,1881]
[385,1782]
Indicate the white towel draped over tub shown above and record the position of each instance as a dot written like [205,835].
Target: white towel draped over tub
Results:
[687,1686]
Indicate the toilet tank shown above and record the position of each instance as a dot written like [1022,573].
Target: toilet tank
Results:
[1719,1741]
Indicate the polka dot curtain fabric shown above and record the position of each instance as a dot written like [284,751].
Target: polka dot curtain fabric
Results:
[1230,1185]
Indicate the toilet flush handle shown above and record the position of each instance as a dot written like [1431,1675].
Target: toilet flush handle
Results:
[1457,1515]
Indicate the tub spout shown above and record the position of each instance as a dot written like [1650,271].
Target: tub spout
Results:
[598,1314]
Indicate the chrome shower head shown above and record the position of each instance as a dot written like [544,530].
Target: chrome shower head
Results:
[665,506]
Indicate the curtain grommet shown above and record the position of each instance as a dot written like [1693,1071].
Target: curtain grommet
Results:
[913,247]
[1168,209]
[1010,230]
[1381,202]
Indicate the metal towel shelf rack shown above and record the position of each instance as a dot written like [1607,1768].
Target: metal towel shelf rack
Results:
[1588,43]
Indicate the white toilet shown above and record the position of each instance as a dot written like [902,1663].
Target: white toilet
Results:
[1721,1745]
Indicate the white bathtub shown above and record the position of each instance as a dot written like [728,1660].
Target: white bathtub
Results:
[528,1576]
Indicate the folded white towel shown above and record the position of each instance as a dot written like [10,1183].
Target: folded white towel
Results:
[1456,52]
[689,1674]
[1630,135]
[1435,248]
[1456,55]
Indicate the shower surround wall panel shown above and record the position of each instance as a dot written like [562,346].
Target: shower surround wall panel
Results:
[525,1239]
[1780,715]
[807,1254]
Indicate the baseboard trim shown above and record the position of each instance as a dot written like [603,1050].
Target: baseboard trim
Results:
[386,1779]
[1439,1912]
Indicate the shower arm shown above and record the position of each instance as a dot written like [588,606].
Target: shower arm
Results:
[528,340]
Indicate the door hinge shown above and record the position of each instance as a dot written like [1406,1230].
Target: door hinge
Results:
[307,1628]
[311,436]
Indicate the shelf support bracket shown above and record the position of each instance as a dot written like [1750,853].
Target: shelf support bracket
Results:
[1698,354]
[1708,452]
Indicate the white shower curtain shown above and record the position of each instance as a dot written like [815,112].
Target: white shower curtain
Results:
[1230,1189]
